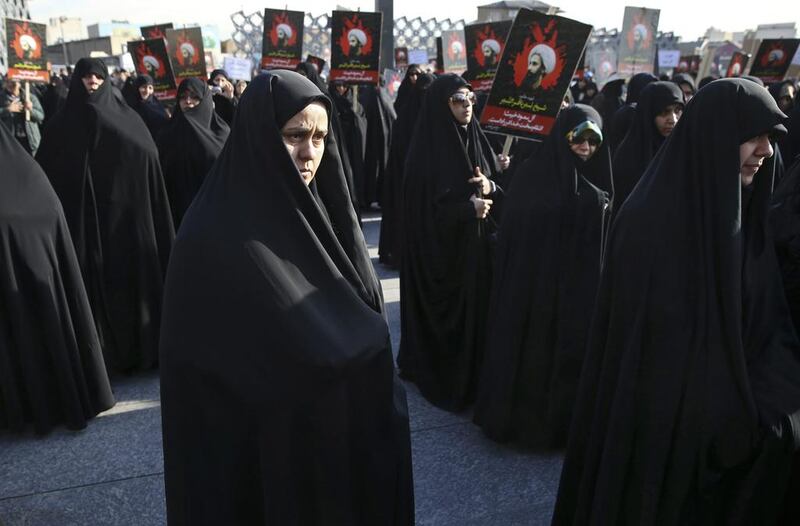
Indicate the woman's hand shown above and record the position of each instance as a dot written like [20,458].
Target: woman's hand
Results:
[482,206]
[485,184]
[504,161]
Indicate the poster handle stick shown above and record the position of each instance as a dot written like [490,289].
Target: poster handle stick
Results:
[355,98]
[507,145]
[27,98]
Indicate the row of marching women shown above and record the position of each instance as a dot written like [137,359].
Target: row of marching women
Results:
[629,296]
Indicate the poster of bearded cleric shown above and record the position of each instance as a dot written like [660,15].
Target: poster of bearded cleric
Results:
[454,54]
[155,31]
[186,53]
[25,43]
[355,47]
[534,74]
[737,64]
[485,43]
[283,39]
[150,57]
[773,58]
[637,45]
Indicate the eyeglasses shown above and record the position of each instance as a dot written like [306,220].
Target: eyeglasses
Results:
[593,140]
[463,98]
[587,131]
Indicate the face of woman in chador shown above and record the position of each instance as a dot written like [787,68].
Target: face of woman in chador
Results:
[751,156]
[304,137]
[666,120]
[461,105]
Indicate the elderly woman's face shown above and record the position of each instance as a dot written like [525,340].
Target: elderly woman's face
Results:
[304,137]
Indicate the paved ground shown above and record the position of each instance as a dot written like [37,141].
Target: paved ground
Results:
[111,474]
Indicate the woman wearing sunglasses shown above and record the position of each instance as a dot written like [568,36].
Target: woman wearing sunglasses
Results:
[445,274]
[546,273]
[657,112]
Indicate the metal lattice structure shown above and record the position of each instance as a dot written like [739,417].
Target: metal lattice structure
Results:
[10,9]
[413,34]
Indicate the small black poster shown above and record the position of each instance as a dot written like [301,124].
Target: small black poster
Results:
[283,39]
[355,47]
[773,59]
[155,31]
[637,47]
[150,57]
[485,43]
[534,74]
[25,41]
[186,53]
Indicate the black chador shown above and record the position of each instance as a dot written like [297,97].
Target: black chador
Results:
[623,118]
[380,116]
[353,123]
[51,363]
[389,249]
[445,276]
[189,145]
[547,268]
[104,166]
[687,411]
[280,402]
[643,140]
[150,109]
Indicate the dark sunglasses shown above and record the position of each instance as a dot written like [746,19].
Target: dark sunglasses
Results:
[591,138]
[463,98]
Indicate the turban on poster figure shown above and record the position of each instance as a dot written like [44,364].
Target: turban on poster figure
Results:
[151,64]
[28,44]
[357,39]
[776,55]
[187,50]
[284,34]
[491,51]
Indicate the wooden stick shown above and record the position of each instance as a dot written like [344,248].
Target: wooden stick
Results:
[507,144]
[27,98]
[355,98]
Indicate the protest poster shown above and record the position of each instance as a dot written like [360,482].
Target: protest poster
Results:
[283,39]
[238,68]
[186,53]
[355,46]
[534,74]
[392,79]
[155,31]
[400,57]
[668,58]
[773,58]
[485,43]
[737,65]
[25,41]
[603,64]
[689,64]
[454,57]
[418,57]
[637,46]
[150,57]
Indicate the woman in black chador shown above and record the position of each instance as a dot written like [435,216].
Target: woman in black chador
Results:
[280,402]
[389,249]
[190,144]
[148,106]
[688,410]
[51,363]
[445,275]
[381,117]
[547,268]
[623,118]
[353,123]
[104,166]
[657,112]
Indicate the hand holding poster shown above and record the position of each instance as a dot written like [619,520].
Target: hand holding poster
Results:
[455,51]
[637,49]
[773,58]
[150,57]
[186,53]
[25,42]
[534,74]
[737,64]
[485,43]
[155,31]
[283,38]
[355,46]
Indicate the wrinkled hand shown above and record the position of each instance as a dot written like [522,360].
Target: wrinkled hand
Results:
[486,186]
[482,206]
[504,161]
[16,107]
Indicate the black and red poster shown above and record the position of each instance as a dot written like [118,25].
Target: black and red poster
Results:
[485,43]
[186,53]
[534,74]
[150,57]
[400,57]
[773,59]
[155,31]
[637,46]
[689,64]
[25,43]
[283,38]
[737,64]
[355,47]
[454,52]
